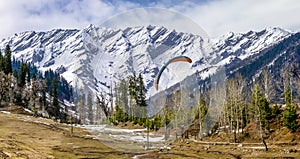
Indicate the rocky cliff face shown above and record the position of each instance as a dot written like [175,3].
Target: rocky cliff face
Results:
[95,57]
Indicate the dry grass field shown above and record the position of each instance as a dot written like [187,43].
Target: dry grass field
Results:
[23,136]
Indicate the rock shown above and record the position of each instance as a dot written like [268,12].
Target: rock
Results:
[292,150]
[287,151]
[240,145]
[160,149]
[164,147]
[206,147]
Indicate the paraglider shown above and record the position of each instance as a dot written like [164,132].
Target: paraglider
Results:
[175,59]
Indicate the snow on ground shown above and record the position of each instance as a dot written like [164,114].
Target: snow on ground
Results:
[139,156]
[5,112]
[139,135]
[27,110]
[124,130]
[139,138]
[102,128]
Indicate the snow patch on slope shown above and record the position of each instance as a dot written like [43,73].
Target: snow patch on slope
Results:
[95,57]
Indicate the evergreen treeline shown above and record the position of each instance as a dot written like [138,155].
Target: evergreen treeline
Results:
[22,84]
[26,71]
[130,104]
[64,90]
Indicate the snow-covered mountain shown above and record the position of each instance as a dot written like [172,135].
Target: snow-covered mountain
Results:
[95,57]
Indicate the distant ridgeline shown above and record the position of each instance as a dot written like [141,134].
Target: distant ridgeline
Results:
[23,84]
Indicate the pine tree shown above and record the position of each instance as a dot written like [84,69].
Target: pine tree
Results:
[290,118]
[141,92]
[1,62]
[7,60]
[262,108]
[141,96]
[119,114]
[277,114]
[22,74]
[157,122]
[290,113]
[132,89]
[43,99]
[4,86]
[28,73]
[55,103]
[15,74]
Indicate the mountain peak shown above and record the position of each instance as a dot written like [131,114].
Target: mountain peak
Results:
[276,29]
[95,55]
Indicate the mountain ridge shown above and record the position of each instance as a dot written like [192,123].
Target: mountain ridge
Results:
[95,56]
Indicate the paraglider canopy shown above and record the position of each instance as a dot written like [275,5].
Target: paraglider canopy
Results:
[175,59]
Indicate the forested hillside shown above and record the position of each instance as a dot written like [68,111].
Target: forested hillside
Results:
[24,85]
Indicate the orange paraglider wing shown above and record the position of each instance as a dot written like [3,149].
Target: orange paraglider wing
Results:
[175,59]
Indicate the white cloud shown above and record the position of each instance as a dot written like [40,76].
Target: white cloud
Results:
[216,17]
[219,17]
[18,15]
[157,17]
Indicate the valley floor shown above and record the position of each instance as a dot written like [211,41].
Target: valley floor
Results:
[24,136]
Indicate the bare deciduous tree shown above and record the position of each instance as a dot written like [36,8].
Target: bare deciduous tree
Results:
[267,83]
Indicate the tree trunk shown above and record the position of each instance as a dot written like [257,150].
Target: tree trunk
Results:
[200,126]
[235,134]
[265,144]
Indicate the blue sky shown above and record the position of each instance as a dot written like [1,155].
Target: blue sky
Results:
[216,17]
